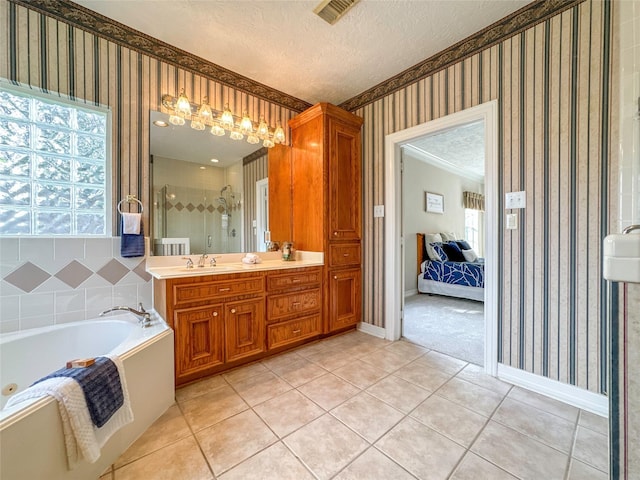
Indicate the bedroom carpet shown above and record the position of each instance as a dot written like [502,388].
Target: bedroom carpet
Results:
[454,326]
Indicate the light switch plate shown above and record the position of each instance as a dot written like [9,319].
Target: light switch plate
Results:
[512,221]
[378,211]
[515,200]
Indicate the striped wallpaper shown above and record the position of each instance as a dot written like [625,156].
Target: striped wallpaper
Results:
[255,168]
[44,53]
[554,90]
[553,84]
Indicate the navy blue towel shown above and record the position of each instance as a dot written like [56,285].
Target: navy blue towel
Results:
[132,245]
[101,386]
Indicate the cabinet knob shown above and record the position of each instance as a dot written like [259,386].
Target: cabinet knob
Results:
[335,234]
[295,332]
[335,277]
[215,314]
[233,310]
[224,289]
[345,254]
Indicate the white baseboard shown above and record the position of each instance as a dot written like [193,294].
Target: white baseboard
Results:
[576,396]
[372,330]
[409,293]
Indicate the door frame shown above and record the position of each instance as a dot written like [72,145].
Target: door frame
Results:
[393,261]
[262,187]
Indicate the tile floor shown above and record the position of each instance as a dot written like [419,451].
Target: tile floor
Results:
[358,407]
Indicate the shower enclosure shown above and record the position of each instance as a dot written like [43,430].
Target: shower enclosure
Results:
[211,220]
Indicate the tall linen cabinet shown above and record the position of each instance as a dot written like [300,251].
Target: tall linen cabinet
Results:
[326,205]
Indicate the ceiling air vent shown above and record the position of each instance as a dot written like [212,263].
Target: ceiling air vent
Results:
[332,10]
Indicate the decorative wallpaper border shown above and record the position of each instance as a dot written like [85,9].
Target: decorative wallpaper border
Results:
[78,16]
[519,21]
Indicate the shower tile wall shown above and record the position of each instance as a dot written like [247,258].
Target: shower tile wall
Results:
[47,281]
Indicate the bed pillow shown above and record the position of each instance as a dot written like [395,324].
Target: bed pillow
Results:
[453,252]
[470,255]
[463,244]
[448,236]
[432,238]
[436,252]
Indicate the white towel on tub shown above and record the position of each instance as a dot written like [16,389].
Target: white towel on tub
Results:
[82,439]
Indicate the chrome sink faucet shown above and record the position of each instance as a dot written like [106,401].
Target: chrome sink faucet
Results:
[144,317]
[212,262]
[202,259]
[189,262]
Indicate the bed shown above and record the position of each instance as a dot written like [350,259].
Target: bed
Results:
[450,278]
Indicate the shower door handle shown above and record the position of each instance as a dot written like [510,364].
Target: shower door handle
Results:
[209,241]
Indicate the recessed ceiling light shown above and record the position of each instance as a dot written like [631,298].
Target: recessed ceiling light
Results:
[160,123]
[202,168]
[215,160]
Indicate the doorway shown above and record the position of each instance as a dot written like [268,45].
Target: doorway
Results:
[396,245]
[262,214]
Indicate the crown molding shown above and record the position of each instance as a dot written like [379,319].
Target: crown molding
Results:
[83,18]
[252,157]
[520,20]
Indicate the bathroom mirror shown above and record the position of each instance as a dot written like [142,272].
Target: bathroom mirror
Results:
[198,202]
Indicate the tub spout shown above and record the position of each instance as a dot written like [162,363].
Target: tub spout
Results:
[144,317]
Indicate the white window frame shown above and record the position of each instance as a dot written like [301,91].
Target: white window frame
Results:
[79,104]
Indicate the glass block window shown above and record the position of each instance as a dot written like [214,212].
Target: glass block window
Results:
[54,177]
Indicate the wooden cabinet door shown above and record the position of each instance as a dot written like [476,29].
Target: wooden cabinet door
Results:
[244,329]
[344,298]
[199,339]
[344,182]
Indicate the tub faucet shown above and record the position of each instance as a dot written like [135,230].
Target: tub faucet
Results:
[144,317]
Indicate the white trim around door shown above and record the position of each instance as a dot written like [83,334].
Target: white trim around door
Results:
[488,112]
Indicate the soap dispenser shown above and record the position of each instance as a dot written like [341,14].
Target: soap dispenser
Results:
[287,251]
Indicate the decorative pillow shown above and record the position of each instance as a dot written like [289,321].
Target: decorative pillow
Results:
[453,252]
[432,238]
[436,252]
[470,255]
[463,244]
[448,236]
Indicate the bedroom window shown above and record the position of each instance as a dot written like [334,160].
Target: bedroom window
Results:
[54,173]
[471,228]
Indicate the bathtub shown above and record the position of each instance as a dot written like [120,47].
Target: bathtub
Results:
[31,433]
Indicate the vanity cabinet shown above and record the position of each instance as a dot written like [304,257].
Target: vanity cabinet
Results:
[326,206]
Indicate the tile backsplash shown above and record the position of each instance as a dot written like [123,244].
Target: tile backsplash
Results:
[45,281]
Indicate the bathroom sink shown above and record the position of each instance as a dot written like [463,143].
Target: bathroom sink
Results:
[621,262]
[217,268]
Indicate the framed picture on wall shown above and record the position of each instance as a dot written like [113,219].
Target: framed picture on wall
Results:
[434,202]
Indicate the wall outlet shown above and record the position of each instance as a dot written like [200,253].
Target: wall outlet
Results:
[515,200]
[512,221]
[378,211]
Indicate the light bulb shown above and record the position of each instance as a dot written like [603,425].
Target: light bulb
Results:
[204,112]
[246,125]
[263,128]
[226,120]
[217,130]
[183,107]
[176,120]
[252,139]
[267,143]
[197,123]
[278,135]
[236,135]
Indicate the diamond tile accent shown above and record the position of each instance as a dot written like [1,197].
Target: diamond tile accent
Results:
[27,277]
[179,206]
[220,209]
[200,208]
[74,274]
[113,271]
[190,207]
[168,205]
[210,208]
[141,271]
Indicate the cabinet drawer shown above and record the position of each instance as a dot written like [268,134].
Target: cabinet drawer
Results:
[194,292]
[283,333]
[344,254]
[306,278]
[292,303]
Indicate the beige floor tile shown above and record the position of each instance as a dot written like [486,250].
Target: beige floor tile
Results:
[582,471]
[180,460]
[374,465]
[403,395]
[594,422]
[200,388]
[421,450]
[325,446]
[331,359]
[361,374]
[543,426]
[169,428]
[260,388]
[407,349]
[475,374]
[313,349]
[423,376]
[282,360]
[361,349]
[288,412]
[470,395]
[210,408]
[442,362]
[450,419]
[568,412]
[275,462]
[518,454]
[592,448]
[472,467]
[368,416]
[298,372]
[233,440]
[386,360]
[242,373]
[328,391]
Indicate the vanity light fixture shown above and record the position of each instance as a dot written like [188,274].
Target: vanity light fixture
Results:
[181,110]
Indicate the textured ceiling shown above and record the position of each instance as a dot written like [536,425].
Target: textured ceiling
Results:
[283,44]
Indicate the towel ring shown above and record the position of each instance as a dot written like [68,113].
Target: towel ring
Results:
[130,199]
